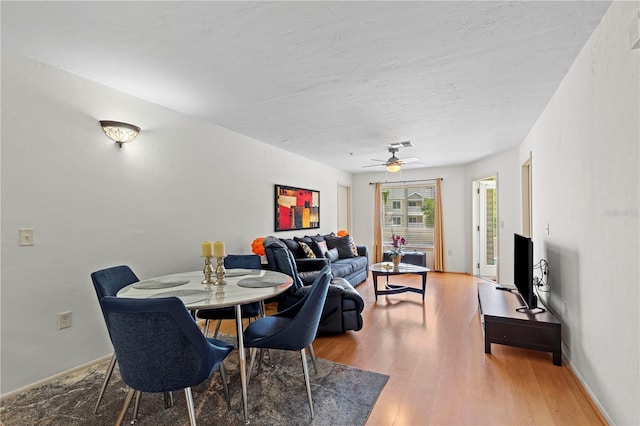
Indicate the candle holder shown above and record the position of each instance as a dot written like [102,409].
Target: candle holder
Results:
[207,271]
[220,272]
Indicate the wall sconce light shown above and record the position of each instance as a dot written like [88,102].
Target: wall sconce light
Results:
[120,132]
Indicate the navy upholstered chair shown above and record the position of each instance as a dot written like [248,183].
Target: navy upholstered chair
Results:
[293,329]
[160,348]
[343,306]
[107,282]
[250,310]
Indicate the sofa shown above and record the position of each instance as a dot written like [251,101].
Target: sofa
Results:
[346,259]
[343,306]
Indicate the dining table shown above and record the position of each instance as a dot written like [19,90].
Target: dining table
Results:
[241,286]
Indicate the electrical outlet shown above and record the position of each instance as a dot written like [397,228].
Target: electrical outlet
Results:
[26,236]
[64,320]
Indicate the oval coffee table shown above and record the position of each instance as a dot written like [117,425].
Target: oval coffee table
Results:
[386,269]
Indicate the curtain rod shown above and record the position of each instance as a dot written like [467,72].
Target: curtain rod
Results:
[408,181]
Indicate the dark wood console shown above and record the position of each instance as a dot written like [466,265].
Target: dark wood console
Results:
[504,325]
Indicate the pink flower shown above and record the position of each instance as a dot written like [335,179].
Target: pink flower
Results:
[397,241]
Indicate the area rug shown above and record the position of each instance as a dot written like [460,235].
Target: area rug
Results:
[341,395]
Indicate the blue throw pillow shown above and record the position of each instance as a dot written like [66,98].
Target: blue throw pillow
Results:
[333,254]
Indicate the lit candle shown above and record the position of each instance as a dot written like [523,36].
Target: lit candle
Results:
[207,249]
[218,249]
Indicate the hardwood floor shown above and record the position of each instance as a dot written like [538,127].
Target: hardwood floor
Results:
[439,373]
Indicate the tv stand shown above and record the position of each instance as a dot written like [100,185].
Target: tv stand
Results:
[505,325]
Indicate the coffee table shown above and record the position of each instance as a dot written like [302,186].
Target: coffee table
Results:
[387,269]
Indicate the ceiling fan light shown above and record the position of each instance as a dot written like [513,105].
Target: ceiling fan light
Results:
[393,167]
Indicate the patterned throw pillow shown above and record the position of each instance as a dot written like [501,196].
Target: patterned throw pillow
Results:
[322,246]
[317,244]
[307,250]
[352,244]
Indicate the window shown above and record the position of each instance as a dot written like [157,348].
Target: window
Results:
[408,210]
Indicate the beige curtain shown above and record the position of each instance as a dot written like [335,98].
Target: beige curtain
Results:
[377,224]
[438,238]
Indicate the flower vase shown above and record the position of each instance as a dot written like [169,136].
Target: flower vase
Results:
[396,261]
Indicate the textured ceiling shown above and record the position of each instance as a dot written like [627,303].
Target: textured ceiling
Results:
[332,81]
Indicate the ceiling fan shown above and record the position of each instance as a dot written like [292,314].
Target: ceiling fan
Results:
[394,164]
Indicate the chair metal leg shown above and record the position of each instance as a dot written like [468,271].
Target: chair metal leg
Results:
[206,328]
[253,352]
[260,360]
[107,377]
[136,407]
[270,363]
[306,379]
[168,400]
[223,375]
[217,329]
[125,407]
[313,358]
[190,407]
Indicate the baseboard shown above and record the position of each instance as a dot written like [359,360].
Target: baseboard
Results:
[52,378]
[586,390]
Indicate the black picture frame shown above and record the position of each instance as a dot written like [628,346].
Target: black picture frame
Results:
[296,208]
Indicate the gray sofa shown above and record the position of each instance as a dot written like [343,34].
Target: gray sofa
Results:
[354,269]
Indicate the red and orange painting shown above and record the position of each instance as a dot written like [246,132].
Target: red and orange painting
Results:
[296,208]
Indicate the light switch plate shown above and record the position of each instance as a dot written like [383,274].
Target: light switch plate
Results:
[26,236]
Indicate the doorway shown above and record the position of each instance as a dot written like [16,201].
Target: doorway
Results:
[485,227]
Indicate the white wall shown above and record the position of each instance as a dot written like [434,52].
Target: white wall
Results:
[148,205]
[505,167]
[585,152]
[454,194]
[457,198]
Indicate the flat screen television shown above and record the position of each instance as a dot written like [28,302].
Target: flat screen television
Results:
[523,270]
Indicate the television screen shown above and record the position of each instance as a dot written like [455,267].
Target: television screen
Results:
[523,269]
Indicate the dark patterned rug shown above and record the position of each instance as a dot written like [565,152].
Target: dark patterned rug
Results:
[341,395]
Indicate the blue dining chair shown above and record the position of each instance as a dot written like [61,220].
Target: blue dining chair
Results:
[107,282]
[160,348]
[250,310]
[293,329]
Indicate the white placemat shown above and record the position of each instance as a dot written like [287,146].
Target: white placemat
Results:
[266,280]
[237,272]
[187,296]
[157,284]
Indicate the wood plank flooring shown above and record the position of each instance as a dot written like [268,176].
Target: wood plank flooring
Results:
[439,373]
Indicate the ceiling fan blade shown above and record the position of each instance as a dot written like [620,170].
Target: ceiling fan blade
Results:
[409,160]
[415,165]
[375,165]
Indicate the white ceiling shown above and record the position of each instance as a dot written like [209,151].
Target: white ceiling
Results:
[332,81]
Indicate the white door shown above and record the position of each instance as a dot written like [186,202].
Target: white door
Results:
[488,229]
